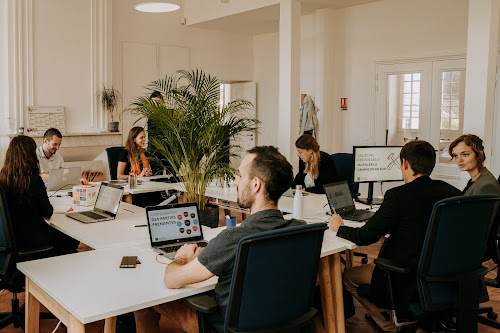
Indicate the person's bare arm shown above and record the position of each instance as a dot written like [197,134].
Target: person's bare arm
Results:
[45,177]
[120,172]
[186,269]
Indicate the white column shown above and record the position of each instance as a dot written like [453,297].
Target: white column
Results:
[482,42]
[101,57]
[289,79]
[324,79]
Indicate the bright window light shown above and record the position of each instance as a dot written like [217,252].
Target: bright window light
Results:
[156,7]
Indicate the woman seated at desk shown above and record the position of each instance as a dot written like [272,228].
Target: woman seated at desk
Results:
[316,167]
[468,152]
[133,159]
[28,201]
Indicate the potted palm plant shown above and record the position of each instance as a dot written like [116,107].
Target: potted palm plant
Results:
[109,98]
[191,134]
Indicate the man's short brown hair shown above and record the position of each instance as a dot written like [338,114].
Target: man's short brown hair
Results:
[421,156]
[273,169]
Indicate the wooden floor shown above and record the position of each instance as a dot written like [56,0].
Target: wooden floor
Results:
[357,324]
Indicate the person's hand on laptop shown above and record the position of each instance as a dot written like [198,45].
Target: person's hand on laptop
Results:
[335,221]
[187,253]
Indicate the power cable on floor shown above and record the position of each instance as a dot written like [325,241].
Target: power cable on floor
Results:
[57,326]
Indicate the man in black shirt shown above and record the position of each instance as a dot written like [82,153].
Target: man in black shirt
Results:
[404,215]
[264,175]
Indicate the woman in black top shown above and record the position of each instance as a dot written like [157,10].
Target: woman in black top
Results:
[133,158]
[316,167]
[27,199]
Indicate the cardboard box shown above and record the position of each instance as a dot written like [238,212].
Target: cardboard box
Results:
[85,195]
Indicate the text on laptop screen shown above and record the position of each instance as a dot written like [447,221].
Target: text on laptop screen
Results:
[108,199]
[339,195]
[174,223]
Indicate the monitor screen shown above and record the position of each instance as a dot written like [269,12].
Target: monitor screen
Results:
[377,164]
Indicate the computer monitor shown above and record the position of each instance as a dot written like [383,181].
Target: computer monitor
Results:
[376,164]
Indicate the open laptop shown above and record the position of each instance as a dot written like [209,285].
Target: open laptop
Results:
[340,201]
[63,178]
[171,226]
[105,208]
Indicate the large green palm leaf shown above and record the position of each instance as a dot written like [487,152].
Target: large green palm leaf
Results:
[192,131]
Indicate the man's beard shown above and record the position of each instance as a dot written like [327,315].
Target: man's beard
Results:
[244,200]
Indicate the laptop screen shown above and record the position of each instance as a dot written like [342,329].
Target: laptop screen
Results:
[173,223]
[108,199]
[339,195]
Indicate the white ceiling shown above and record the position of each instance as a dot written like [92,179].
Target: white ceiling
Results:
[266,20]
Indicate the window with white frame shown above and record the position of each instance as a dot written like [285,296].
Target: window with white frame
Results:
[410,101]
[451,97]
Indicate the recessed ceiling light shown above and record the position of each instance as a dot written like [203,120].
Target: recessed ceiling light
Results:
[156,7]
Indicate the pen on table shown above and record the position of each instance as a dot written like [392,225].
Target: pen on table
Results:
[140,225]
[127,210]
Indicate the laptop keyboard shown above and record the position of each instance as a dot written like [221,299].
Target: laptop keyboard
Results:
[93,215]
[174,248]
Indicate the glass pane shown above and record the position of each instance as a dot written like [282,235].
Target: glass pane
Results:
[406,99]
[414,123]
[450,112]
[446,89]
[403,101]
[415,99]
[416,87]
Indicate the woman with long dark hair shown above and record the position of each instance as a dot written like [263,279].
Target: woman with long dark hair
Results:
[316,167]
[28,201]
[133,158]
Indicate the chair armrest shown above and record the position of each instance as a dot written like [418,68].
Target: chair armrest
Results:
[202,303]
[35,253]
[391,266]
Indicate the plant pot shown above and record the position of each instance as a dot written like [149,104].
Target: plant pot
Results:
[210,216]
[113,126]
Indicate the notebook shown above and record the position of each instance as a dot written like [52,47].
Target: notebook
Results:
[341,202]
[171,226]
[106,205]
[63,178]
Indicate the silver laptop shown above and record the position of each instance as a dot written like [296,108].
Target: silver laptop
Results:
[171,226]
[63,178]
[341,202]
[105,208]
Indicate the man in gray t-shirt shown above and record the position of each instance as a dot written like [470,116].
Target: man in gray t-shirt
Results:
[264,175]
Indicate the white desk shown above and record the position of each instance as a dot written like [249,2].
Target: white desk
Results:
[120,231]
[85,287]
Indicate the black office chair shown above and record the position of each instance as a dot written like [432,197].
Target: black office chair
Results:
[345,171]
[273,282]
[11,279]
[450,275]
[113,155]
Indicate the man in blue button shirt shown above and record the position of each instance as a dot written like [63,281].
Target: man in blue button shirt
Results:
[264,175]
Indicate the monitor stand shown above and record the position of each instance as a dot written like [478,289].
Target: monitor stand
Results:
[370,200]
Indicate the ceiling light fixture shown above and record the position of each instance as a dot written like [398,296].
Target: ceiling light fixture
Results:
[156,7]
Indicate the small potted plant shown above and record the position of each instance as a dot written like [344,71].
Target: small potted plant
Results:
[109,98]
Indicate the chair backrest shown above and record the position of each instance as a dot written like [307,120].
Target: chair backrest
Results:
[454,246]
[113,155]
[7,240]
[274,277]
[345,169]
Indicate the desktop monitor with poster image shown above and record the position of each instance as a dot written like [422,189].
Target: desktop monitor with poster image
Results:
[376,164]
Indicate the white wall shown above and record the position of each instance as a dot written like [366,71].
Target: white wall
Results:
[61,59]
[225,55]
[390,29]
[266,64]
[204,10]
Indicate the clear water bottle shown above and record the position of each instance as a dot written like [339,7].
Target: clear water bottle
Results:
[298,203]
